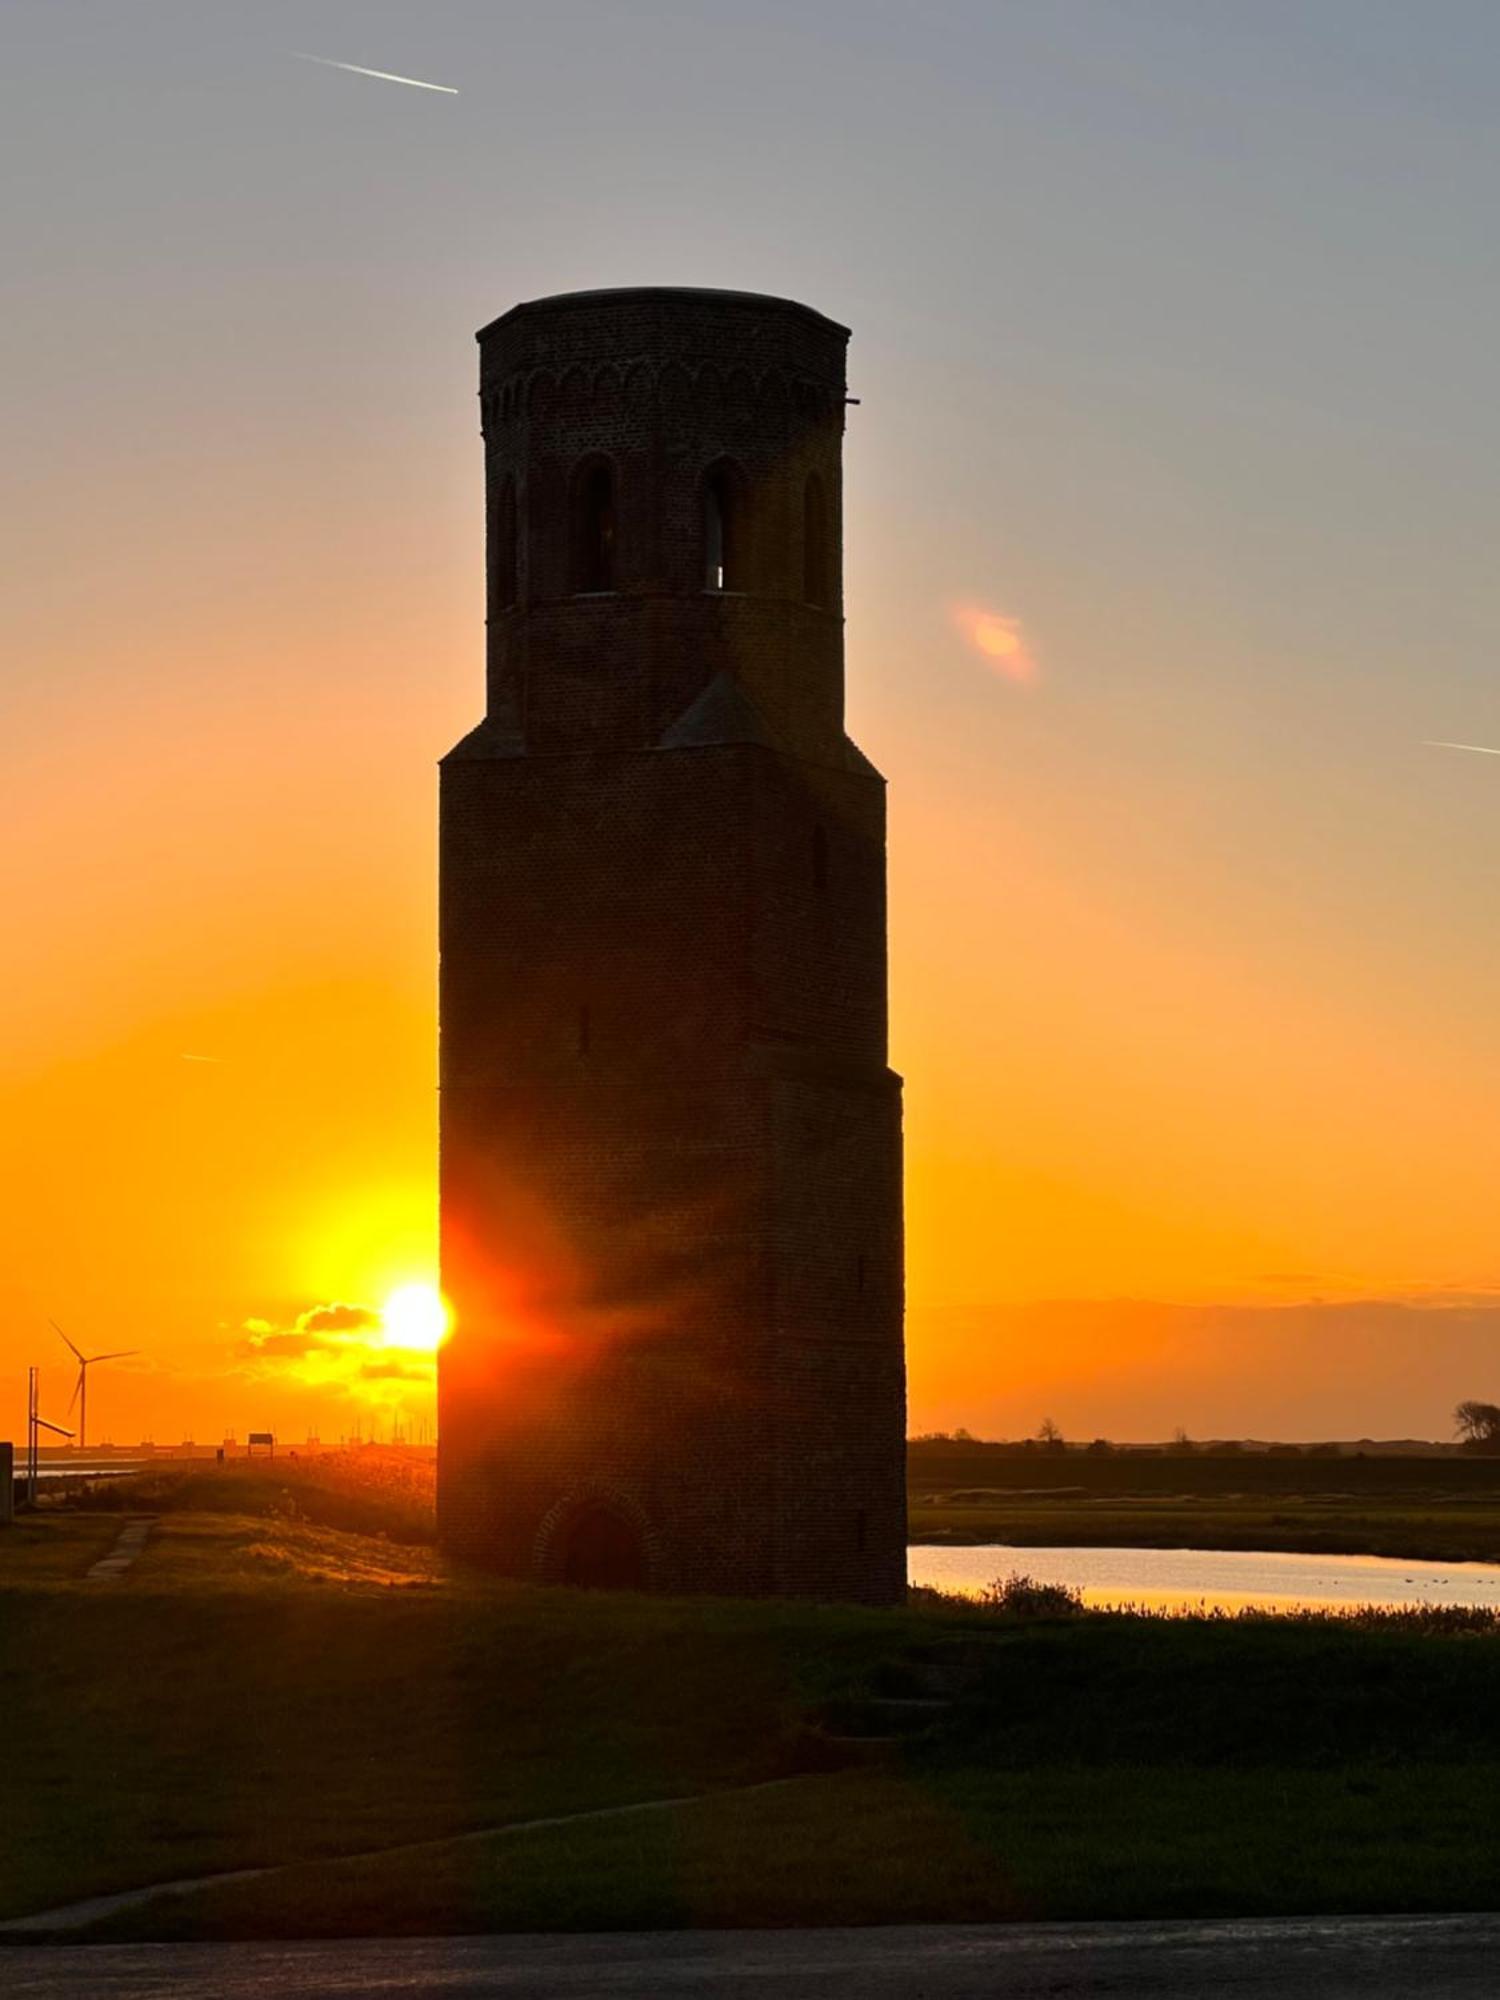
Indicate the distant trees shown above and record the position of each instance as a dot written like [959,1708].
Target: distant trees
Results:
[1182,1444]
[1049,1437]
[1478,1425]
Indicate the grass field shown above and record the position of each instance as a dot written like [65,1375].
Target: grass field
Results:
[262,1689]
[1435,1528]
[1445,1509]
[1433,1509]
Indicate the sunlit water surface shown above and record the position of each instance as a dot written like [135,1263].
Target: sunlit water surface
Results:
[1222,1579]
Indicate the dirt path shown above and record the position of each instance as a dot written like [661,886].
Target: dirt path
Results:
[77,1916]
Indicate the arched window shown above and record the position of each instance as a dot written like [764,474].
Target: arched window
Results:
[594,529]
[505,545]
[723,531]
[815,580]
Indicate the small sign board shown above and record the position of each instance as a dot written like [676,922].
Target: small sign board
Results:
[260,1441]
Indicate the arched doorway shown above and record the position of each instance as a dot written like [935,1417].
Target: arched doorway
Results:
[602,1549]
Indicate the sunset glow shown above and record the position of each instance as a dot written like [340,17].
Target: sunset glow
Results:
[1162,565]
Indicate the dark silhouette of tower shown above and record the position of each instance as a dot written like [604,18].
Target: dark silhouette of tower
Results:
[671,1149]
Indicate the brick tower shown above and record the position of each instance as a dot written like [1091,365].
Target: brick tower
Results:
[671,1147]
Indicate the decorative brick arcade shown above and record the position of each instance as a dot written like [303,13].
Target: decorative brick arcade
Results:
[671,1146]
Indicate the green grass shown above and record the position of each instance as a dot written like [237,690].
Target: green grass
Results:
[871,1847]
[1395,1478]
[212,1711]
[365,1491]
[52,1548]
[264,1689]
[1425,1509]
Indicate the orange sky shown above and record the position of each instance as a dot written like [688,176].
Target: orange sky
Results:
[1170,522]
[219,1105]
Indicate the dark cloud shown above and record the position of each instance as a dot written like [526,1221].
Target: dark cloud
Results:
[394,1371]
[284,1346]
[325,1329]
[339,1319]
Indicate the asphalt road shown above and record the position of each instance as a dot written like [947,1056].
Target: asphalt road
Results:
[1363,1958]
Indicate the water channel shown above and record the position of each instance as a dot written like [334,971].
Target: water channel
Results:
[1225,1579]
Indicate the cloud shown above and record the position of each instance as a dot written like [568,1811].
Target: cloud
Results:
[339,1319]
[319,1330]
[337,1348]
[285,1346]
[395,1371]
[998,639]
[381,75]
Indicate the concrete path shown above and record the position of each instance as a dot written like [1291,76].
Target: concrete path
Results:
[78,1916]
[128,1545]
[1333,1958]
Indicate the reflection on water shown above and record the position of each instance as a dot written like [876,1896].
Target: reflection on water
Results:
[1222,1579]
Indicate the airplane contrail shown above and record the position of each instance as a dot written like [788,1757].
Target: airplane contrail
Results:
[385,75]
[1479,749]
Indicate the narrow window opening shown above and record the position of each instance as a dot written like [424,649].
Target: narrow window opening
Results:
[722,564]
[820,858]
[594,541]
[505,546]
[815,588]
[585,1031]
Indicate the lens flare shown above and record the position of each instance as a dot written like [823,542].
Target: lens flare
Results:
[415,1317]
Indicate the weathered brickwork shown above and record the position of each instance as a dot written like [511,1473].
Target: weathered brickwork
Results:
[671,1167]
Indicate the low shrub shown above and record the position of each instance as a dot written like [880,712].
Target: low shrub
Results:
[1021,1596]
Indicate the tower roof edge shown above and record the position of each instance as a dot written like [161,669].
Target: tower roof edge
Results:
[647,295]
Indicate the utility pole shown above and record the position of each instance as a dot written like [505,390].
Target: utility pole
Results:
[36,1422]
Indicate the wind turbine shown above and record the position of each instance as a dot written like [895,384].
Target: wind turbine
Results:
[80,1394]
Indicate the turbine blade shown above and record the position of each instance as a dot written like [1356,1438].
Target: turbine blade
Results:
[63,1337]
[118,1355]
[77,1388]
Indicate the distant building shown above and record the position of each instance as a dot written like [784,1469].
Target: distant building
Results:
[671,1151]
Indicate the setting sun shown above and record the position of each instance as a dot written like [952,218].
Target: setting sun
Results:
[414,1316]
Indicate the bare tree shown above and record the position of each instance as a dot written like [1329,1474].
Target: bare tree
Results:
[1478,1424]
